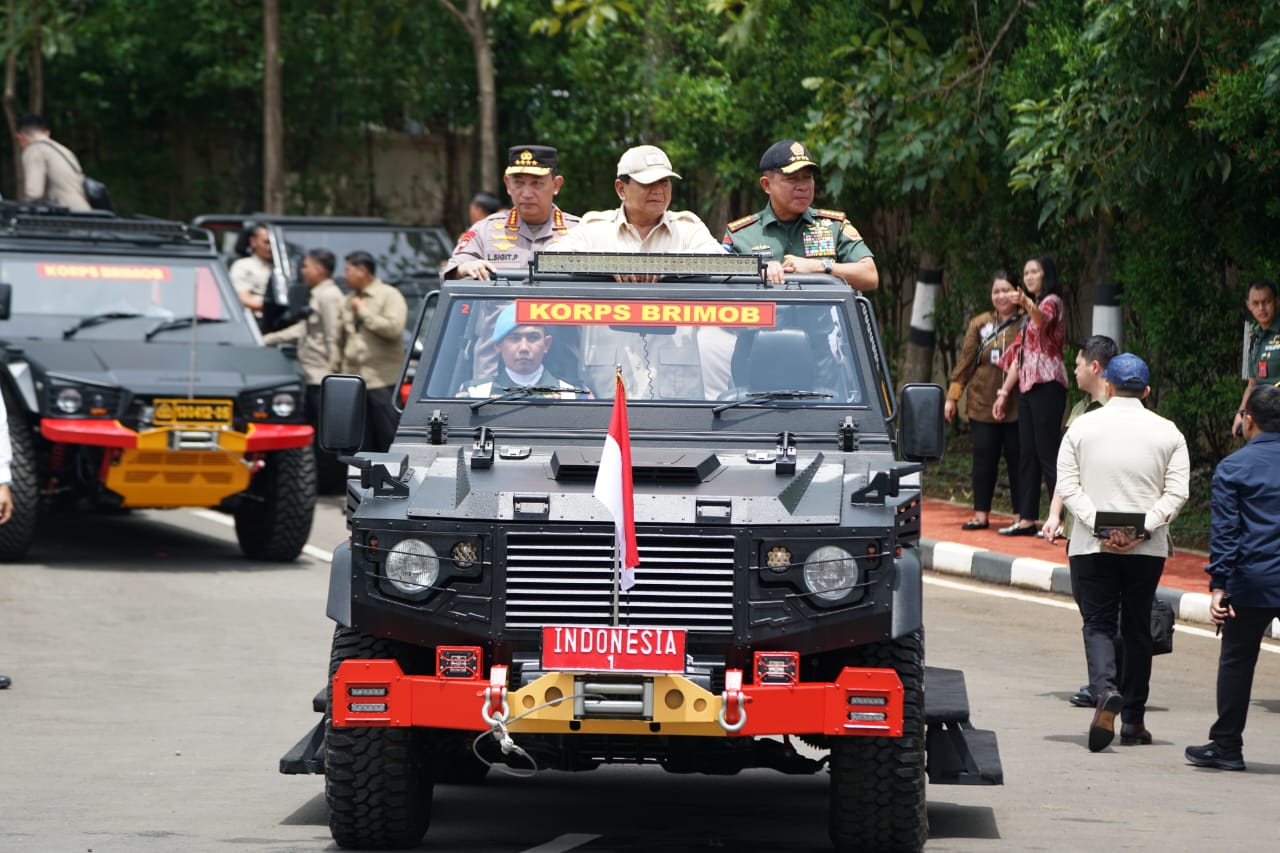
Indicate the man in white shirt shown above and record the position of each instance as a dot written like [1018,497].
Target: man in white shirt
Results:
[1120,458]
[251,274]
[6,496]
[642,223]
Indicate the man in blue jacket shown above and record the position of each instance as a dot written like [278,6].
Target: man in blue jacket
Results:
[1244,571]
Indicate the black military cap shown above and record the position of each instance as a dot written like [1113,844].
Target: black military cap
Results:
[787,156]
[531,160]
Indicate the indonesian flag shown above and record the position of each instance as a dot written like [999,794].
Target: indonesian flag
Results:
[613,486]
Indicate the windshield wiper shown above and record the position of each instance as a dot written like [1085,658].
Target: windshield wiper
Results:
[759,396]
[180,323]
[519,391]
[97,320]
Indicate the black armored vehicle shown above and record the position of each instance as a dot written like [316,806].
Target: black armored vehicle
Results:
[774,618]
[133,378]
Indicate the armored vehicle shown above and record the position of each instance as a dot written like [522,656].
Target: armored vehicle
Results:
[134,378]
[775,620]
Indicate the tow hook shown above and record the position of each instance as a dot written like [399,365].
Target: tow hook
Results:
[493,708]
[733,711]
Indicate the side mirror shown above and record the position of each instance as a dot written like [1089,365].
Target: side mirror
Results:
[921,430]
[6,296]
[342,413]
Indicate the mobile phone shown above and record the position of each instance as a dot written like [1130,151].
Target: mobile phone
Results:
[1023,288]
[1224,604]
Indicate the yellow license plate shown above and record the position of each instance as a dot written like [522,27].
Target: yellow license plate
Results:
[180,411]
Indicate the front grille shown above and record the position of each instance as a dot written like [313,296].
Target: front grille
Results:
[566,578]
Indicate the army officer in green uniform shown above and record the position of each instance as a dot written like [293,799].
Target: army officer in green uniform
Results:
[800,238]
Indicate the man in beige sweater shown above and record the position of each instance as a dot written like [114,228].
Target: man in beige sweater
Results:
[51,174]
[371,345]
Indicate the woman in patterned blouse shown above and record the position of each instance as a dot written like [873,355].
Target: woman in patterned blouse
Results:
[1035,364]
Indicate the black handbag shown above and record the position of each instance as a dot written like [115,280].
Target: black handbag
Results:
[98,195]
[1161,627]
[95,191]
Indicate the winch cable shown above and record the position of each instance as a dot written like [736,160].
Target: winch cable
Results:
[498,730]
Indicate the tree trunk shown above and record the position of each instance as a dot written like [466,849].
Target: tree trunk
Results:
[486,96]
[272,111]
[35,73]
[486,89]
[921,338]
[11,96]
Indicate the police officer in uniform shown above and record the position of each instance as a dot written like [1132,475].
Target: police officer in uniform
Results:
[799,237]
[534,222]
[522,348]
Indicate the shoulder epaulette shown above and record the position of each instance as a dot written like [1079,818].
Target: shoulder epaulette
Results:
[829,214]
[739,224]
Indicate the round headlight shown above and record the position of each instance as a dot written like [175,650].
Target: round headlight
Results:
[412,566]
[830,573]
[68,401]
[283,405]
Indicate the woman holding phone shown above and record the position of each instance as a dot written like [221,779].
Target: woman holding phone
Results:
[1034,365]
[989,336]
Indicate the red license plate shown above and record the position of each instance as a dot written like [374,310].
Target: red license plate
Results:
[612,649]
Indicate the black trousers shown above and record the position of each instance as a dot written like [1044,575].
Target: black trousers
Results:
[381,419]
[1241,638]
[1117,589]
[988,442]
[1039,434]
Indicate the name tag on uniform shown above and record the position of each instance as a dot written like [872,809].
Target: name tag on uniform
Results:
[995,355]
[1262,368]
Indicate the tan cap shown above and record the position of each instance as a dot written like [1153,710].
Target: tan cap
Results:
[645,164]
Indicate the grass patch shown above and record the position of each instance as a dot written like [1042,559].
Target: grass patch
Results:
[951,480]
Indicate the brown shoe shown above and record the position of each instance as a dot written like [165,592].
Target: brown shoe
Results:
[1103,728]
[1134,735]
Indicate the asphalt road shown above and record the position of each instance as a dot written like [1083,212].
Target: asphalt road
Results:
[158,677]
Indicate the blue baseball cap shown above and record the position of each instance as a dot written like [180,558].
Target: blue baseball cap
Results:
[1128,372]
[505,324]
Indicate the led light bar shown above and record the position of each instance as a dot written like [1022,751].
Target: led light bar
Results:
[623,263]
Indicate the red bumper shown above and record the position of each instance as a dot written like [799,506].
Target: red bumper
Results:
[378,693]
[257,438]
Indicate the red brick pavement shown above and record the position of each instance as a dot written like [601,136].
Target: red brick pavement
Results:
[941,522]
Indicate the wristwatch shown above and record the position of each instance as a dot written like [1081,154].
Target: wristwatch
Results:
[827,266]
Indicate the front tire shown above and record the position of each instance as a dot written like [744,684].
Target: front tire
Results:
[273,517]
[378,781]
[878,783]
[19,532]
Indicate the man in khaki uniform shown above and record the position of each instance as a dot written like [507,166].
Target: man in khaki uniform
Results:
[51,174]
[371,345]
[666,366]
[643,222]
[251,275]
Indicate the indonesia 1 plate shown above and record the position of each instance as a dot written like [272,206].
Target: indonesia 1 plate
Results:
[590,648]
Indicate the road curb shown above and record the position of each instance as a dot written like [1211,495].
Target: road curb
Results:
[953,558]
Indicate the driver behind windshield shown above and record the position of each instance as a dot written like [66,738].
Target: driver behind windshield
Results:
[521,350]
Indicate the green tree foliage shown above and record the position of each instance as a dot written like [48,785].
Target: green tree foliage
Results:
[1135,140]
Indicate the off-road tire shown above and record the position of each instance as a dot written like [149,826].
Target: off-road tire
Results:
[18,533]
[878,783]
[378,781]
[273,517]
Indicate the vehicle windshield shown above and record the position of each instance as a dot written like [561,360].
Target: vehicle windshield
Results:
[62,292]
[779,352]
